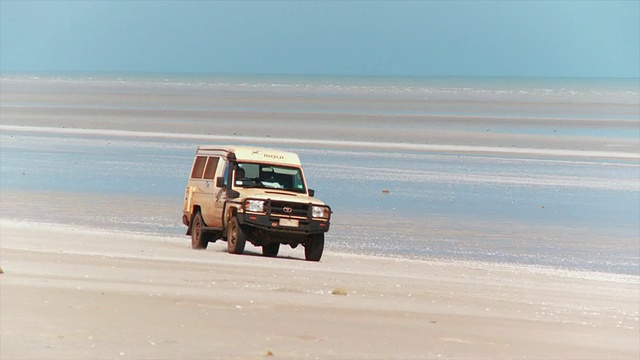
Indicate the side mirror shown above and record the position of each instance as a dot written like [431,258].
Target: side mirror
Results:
[220,182]
[312,192]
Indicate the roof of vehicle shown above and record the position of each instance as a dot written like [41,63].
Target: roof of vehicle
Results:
[254,154]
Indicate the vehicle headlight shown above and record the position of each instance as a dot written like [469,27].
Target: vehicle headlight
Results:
[320,212]
[254,205]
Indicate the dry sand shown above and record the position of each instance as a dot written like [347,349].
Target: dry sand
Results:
[70,293]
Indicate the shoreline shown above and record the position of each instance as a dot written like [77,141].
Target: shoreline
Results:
[295,254]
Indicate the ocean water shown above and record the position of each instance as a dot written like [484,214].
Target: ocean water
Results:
[573,212]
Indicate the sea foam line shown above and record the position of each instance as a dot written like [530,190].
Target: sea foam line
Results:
[338,143]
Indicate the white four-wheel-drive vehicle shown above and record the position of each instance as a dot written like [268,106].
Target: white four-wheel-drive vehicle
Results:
[241,194]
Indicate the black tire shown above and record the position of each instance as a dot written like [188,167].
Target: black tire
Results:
[198,238]
[236,238]
[313,247]
[270,250]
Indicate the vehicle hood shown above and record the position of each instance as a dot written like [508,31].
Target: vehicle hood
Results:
[278,195]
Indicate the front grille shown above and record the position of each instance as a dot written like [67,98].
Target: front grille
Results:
[278,208]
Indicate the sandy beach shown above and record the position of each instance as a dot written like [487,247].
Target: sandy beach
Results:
[84,294]
[96,265]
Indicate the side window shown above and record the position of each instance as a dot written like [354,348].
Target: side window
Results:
[210,169]
[198,167]
[298,182]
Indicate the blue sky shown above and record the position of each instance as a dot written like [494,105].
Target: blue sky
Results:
[422,38]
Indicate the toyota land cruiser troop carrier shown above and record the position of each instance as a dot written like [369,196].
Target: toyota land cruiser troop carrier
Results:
[241,194]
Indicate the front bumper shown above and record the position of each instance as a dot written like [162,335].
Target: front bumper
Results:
[273,223]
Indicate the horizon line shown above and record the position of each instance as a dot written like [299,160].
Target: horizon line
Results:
[382,76]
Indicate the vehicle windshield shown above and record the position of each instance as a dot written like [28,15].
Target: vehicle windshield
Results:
[250,175]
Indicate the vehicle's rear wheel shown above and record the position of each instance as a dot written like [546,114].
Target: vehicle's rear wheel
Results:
[236,238]
[270,250]
[313,247]
[198,240]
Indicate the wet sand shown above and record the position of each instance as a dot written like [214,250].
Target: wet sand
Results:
[496,121]
[78,293]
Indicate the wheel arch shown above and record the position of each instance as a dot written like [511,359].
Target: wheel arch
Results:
[194,211]
[230,213]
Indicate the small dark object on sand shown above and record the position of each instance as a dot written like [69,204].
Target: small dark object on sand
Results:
[339,291]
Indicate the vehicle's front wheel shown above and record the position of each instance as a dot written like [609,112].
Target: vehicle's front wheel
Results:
[198,240]
[313,247]
[236,238]
[270,250]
